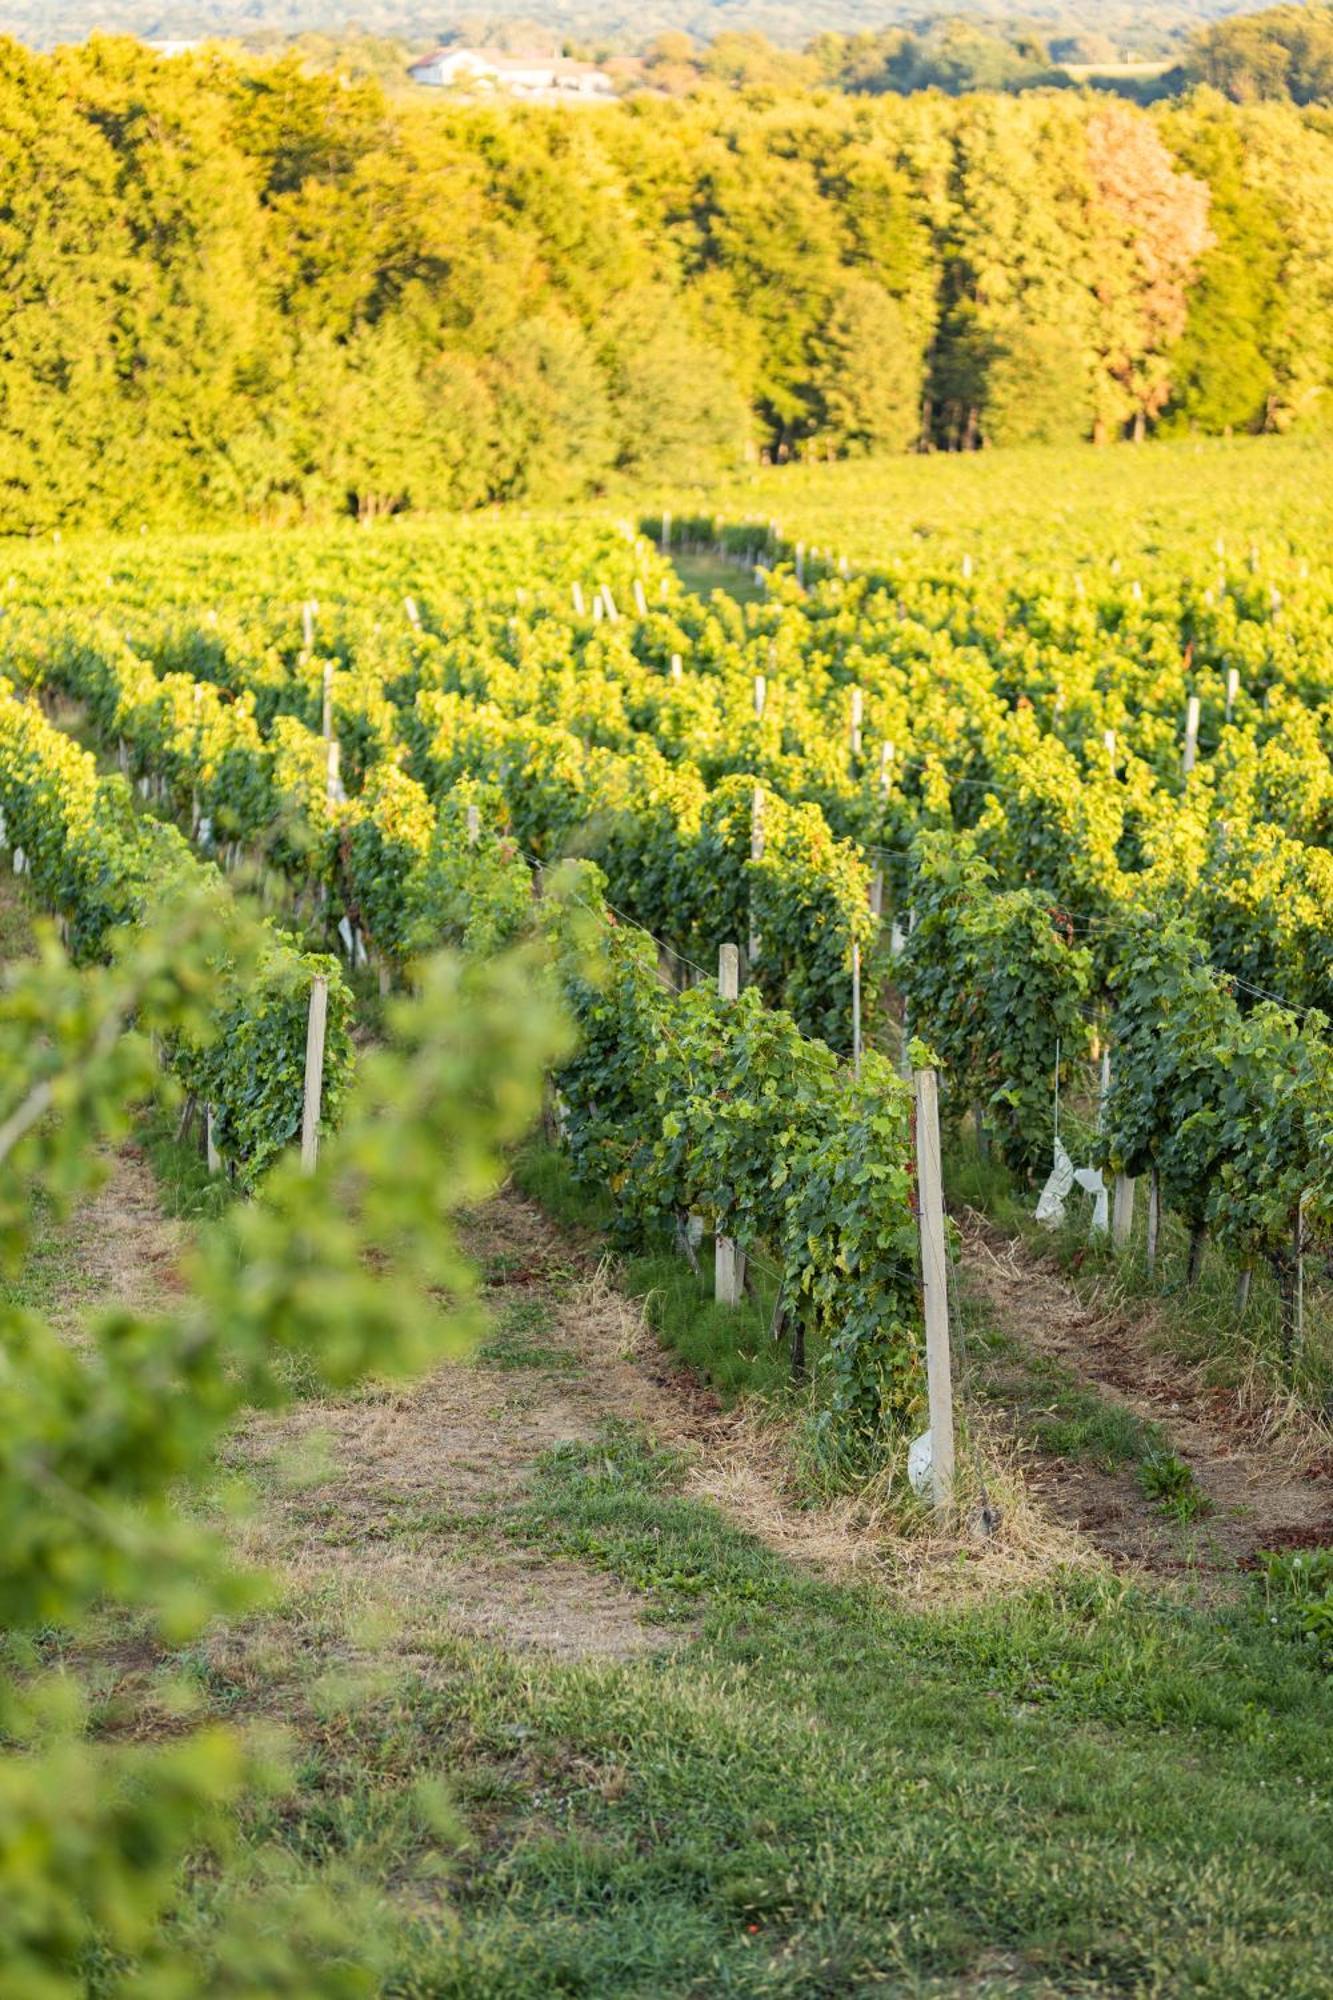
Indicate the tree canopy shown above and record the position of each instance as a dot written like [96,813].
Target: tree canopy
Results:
[242,286]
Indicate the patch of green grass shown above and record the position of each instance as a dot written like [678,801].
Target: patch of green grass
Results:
[1054,1409]
[512,1344]
[819,1790]
[17,937]
[732,1347]
[51,1278]
[1170,1482]
[703,574]
[543,1173]
[186,1189]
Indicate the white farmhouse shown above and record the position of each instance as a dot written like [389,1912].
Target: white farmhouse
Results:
[549,79]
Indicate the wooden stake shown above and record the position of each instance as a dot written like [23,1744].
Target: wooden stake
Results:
[640,597]
[854,725]
[576,596]
[314,1072]
[665,543]
[213,1155]
[1154,1219]
[473,825]
[1122,1212]
[308,610]
[726,1258]
[886,754]
[677,667]
[934,1286]
[1233,689]
[760,695]
[326,727]
[1191,735]
[756,854]
[856,1009]
[413,615]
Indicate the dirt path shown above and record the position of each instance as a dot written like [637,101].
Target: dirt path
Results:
[1268,1483]
[401,1496]
[119,1249]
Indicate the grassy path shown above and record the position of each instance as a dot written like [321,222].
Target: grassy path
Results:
[684,1757]
[1163,1468]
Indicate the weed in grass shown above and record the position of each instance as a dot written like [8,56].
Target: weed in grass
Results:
[1167,1480]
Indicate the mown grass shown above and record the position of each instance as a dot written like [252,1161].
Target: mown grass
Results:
[814,1788]
[818,1790]
[703,574]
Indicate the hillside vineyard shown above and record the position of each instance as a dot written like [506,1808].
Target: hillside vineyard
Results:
[1049,804]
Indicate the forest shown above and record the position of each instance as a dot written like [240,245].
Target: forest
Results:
[233,286]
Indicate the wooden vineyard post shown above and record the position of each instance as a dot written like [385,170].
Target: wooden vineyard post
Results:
[854,727]
[308,610]
[726,1257]
[212,1154]
[760,696]
[1122,1212]
[640,597]
[934,1286]
[756,854]
[333,783]
[314,1072]
[576,598]
[473,825]
[1233,689]
[413,615]
[886,754]
[1154,1218]
[677,667]
[665,542]
[1191,752]
[326,713]
[1108,739]
[856,1009]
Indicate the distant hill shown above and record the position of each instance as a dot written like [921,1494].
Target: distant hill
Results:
[1115,30]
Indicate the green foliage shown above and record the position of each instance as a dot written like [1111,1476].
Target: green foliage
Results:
[100,1437]
[685,1103]
[995,983]
[99,867]
[1296,1592]
[311,299]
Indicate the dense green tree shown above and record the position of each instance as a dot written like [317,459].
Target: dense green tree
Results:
[1283,52]
[1222,370]
[866,371]
[243,285]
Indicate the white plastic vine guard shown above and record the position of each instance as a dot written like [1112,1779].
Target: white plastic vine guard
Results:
[1064,1176]
[919,1464]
